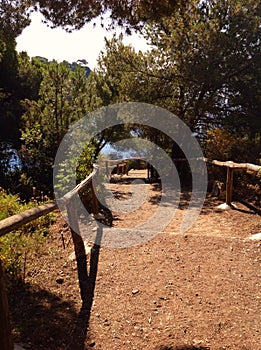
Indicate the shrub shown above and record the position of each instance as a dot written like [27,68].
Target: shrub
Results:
[28,240]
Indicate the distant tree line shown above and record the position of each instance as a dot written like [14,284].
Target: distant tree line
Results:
[203,65]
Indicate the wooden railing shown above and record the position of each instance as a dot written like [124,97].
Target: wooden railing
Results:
[121,165]
[16,221]
[231,167]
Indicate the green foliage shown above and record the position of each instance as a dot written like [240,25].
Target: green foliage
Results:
[248,187]
[129,13]
[219,144]
[30,76]
[62,101]
[9,107]
[223,145]
[203,66]
[202,51]
[29,240]
[117,74]
[202,56]
[14,17]
[2,49]
[74,169]
[19,79]
[85,162]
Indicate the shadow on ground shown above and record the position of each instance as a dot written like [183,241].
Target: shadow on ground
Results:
[42,320]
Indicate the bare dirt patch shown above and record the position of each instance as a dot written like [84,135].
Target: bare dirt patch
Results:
[200,290]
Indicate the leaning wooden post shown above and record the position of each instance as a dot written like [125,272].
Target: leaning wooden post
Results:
[79,248]
[229,186]
[148,171]
[95,203]
[6,342]
[107,169]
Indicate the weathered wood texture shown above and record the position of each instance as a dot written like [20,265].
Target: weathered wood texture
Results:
[231,167]
[228,164]
[95,203]
[79,248]
[16,221]
[229,186]
[236,166]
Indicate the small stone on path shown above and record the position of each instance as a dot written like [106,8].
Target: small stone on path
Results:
[255,237]
[87,251]
[135,291]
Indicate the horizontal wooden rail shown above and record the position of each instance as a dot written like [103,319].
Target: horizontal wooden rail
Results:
[124,159]
[231,167]
[227,164]
[16,221]
[7,225]
[236,166]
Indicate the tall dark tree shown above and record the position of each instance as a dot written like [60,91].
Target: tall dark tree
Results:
[129,13]
[14,17]
[9,86]
[203,67]
[62,101]
[201,57]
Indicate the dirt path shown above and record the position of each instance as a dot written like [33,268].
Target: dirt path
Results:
[200,290]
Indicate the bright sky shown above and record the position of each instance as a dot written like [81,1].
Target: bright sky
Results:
[39,40]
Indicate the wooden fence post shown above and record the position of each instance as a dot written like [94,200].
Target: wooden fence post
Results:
[79,248]
[6,341]
[229,186]
[148,171]
[95,204]
[107,169]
